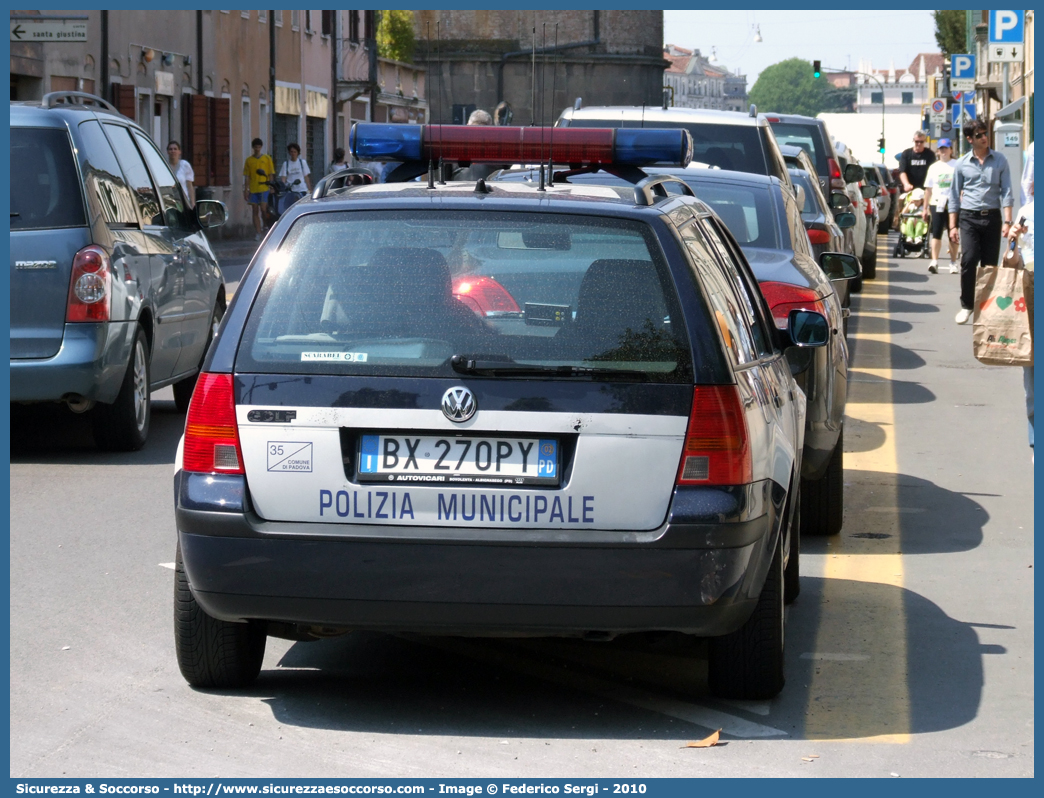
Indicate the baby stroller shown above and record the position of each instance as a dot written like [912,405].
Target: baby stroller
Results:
[913,229]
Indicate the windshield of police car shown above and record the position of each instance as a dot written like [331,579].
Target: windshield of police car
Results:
[402,293]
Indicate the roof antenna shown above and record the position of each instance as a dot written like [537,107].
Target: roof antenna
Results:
[543,83]
[431,157]
[643,114]
[551,147]
[533,78]
[438,55]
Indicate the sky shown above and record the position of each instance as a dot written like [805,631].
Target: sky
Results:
[837,38]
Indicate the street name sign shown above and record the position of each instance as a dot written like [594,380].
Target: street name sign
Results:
[48,29]
[962,72]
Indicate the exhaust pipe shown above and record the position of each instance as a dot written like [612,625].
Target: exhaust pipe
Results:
[79,404]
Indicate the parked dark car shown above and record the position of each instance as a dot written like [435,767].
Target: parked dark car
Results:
[723,139]
[876,175]
[115,291]
[828,231]
[765,221]
[811,135]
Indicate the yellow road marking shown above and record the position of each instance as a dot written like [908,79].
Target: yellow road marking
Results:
[862,612]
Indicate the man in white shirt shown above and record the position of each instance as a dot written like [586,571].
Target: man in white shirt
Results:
[295,173]
[936,198]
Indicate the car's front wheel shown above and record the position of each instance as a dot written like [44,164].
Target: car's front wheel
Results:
[748,664]
[213,653]
[123,426]
[823,499]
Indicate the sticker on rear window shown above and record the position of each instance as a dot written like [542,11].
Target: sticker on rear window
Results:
[289,456]
[335,357]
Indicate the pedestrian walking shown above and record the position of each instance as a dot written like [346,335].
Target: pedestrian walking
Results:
[937,202]
[257,171]
[913,166]
[338,163]
[182,170]
[980,208]
[295,174]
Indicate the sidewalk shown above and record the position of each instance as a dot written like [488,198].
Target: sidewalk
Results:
[234,248]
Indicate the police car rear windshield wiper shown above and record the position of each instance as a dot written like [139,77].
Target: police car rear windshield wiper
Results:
[495,368]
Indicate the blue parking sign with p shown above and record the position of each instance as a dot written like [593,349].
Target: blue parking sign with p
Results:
[1006,27]
[962,66]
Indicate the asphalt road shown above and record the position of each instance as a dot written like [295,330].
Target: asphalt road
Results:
[910,648]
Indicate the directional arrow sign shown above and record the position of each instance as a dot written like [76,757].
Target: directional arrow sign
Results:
[48,29]
[1004,53]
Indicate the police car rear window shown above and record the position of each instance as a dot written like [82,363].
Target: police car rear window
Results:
[402,293]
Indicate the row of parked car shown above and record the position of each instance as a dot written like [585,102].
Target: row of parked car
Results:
[788,194]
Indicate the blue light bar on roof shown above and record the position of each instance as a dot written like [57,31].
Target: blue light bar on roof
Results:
[493,144]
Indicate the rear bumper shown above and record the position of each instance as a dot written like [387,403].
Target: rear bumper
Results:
[91,363]
[700,573]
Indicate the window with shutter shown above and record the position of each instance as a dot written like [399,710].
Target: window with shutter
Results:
[196,134]
[124,100]
[220,140]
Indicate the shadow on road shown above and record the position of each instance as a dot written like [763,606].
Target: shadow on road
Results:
[52,434]
[865,388]
[878,325]
[548,688]
[871,354]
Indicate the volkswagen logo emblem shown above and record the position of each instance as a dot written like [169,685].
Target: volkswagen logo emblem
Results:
[459,404]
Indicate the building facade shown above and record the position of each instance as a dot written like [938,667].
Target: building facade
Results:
[694,81]
[480,59]
[901,91]
[214,80]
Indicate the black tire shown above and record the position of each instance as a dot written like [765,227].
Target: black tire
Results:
[213,653]
[823,499]
[870,265]
[792,573]
[123,426]
[183,390]
[883,227]
[855,286]
[748,664]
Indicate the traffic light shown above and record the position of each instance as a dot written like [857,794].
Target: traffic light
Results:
[817,69]
[881,145]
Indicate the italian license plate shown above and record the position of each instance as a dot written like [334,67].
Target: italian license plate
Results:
[449,459]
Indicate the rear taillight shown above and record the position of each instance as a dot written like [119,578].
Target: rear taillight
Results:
[784,297]
[818,236]
[484,295]
[717,450]
[836,180]
[90,286]
[211,434]
[869,209]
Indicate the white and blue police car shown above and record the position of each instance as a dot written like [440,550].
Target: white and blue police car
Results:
[471,409]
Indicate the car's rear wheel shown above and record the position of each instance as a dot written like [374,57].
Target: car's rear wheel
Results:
[183,390]
[213,653]
[123,426]
[748,664]
[823,499]
[792,573]
[870,265]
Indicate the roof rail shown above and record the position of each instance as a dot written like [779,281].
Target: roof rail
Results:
[344,177]
[753,110]
[651,190]
[55,98]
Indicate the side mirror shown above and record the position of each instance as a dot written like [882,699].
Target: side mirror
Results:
[840,266]
[807,328]
[868,191]
[839,201]
[211,213]
[854,173]
[845,219]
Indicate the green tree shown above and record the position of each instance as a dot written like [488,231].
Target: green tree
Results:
[950,31]
[395,37]
[789,88]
